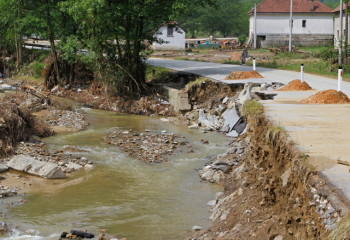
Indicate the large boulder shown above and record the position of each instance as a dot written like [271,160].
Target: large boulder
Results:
[31,166]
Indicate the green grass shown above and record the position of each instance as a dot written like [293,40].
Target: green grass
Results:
[161,74]
[253,108]
[198,81]
[199,60]
[182,58]
[236,62]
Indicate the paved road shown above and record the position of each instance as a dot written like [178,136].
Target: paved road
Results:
[321,131]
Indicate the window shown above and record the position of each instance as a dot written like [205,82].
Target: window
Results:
[338,33]
[304,23]
[170,31]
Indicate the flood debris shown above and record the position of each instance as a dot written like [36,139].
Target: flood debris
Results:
[346,163]
[223,113]
[148,147]
[74,234]
[18,124]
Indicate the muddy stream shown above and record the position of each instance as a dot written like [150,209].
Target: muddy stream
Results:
[121,196]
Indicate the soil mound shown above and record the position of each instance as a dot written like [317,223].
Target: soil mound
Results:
[296,85]
[327,97]
[238,75]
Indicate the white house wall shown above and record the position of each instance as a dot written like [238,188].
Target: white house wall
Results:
[175,43]
[279,24]
[337,28]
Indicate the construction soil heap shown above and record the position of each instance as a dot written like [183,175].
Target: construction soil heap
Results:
[239,75]
[296,85]
[327,97]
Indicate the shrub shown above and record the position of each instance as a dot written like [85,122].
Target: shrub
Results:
[242,39]
[37,69]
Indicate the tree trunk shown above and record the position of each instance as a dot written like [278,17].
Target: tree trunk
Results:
[52,41]
[72,74]
[65,67]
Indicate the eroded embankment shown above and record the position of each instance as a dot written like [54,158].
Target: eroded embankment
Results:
[270,190]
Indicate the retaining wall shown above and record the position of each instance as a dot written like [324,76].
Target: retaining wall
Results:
[279,40]
[178,99]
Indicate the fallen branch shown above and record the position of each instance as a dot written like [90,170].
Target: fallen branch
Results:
[343,162]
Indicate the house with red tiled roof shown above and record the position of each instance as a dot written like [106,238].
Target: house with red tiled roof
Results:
[312,23]
[337,25]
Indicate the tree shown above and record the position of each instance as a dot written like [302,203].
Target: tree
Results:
[116,32]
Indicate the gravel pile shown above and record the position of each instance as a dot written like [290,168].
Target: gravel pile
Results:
[148,147]
[68,119]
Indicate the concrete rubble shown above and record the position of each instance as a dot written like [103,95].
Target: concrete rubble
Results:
[226,117]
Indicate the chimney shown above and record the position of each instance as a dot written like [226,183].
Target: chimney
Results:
[312,5]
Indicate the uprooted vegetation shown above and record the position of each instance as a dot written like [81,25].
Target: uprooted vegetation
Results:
[18,124]
[271,191]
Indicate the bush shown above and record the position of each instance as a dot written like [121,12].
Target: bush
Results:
[37,69]
[242,39]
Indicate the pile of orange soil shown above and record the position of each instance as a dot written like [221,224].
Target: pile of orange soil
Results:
[243,75]
[296,85]
[327,97]
[235,56]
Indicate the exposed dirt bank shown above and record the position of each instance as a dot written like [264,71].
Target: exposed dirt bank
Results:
[92,98]
[270,190]
[18,124]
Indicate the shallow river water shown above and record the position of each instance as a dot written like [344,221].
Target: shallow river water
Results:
[126,196]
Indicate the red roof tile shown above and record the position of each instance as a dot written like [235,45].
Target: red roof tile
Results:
[338,8]
[283,6]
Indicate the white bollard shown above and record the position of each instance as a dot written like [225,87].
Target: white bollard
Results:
[340,78]
[254,68]
[302,73]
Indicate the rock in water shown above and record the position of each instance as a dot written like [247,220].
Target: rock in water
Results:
[74,166]
[202,116]
[82,234]
[3,168]
[30,165]
[197,228]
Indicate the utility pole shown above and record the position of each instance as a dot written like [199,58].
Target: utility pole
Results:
[346,30]
[291,25]
[340,32]
[255,26]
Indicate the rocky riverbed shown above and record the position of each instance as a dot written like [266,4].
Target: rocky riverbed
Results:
[38,151]
[148,146]
[64,119]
